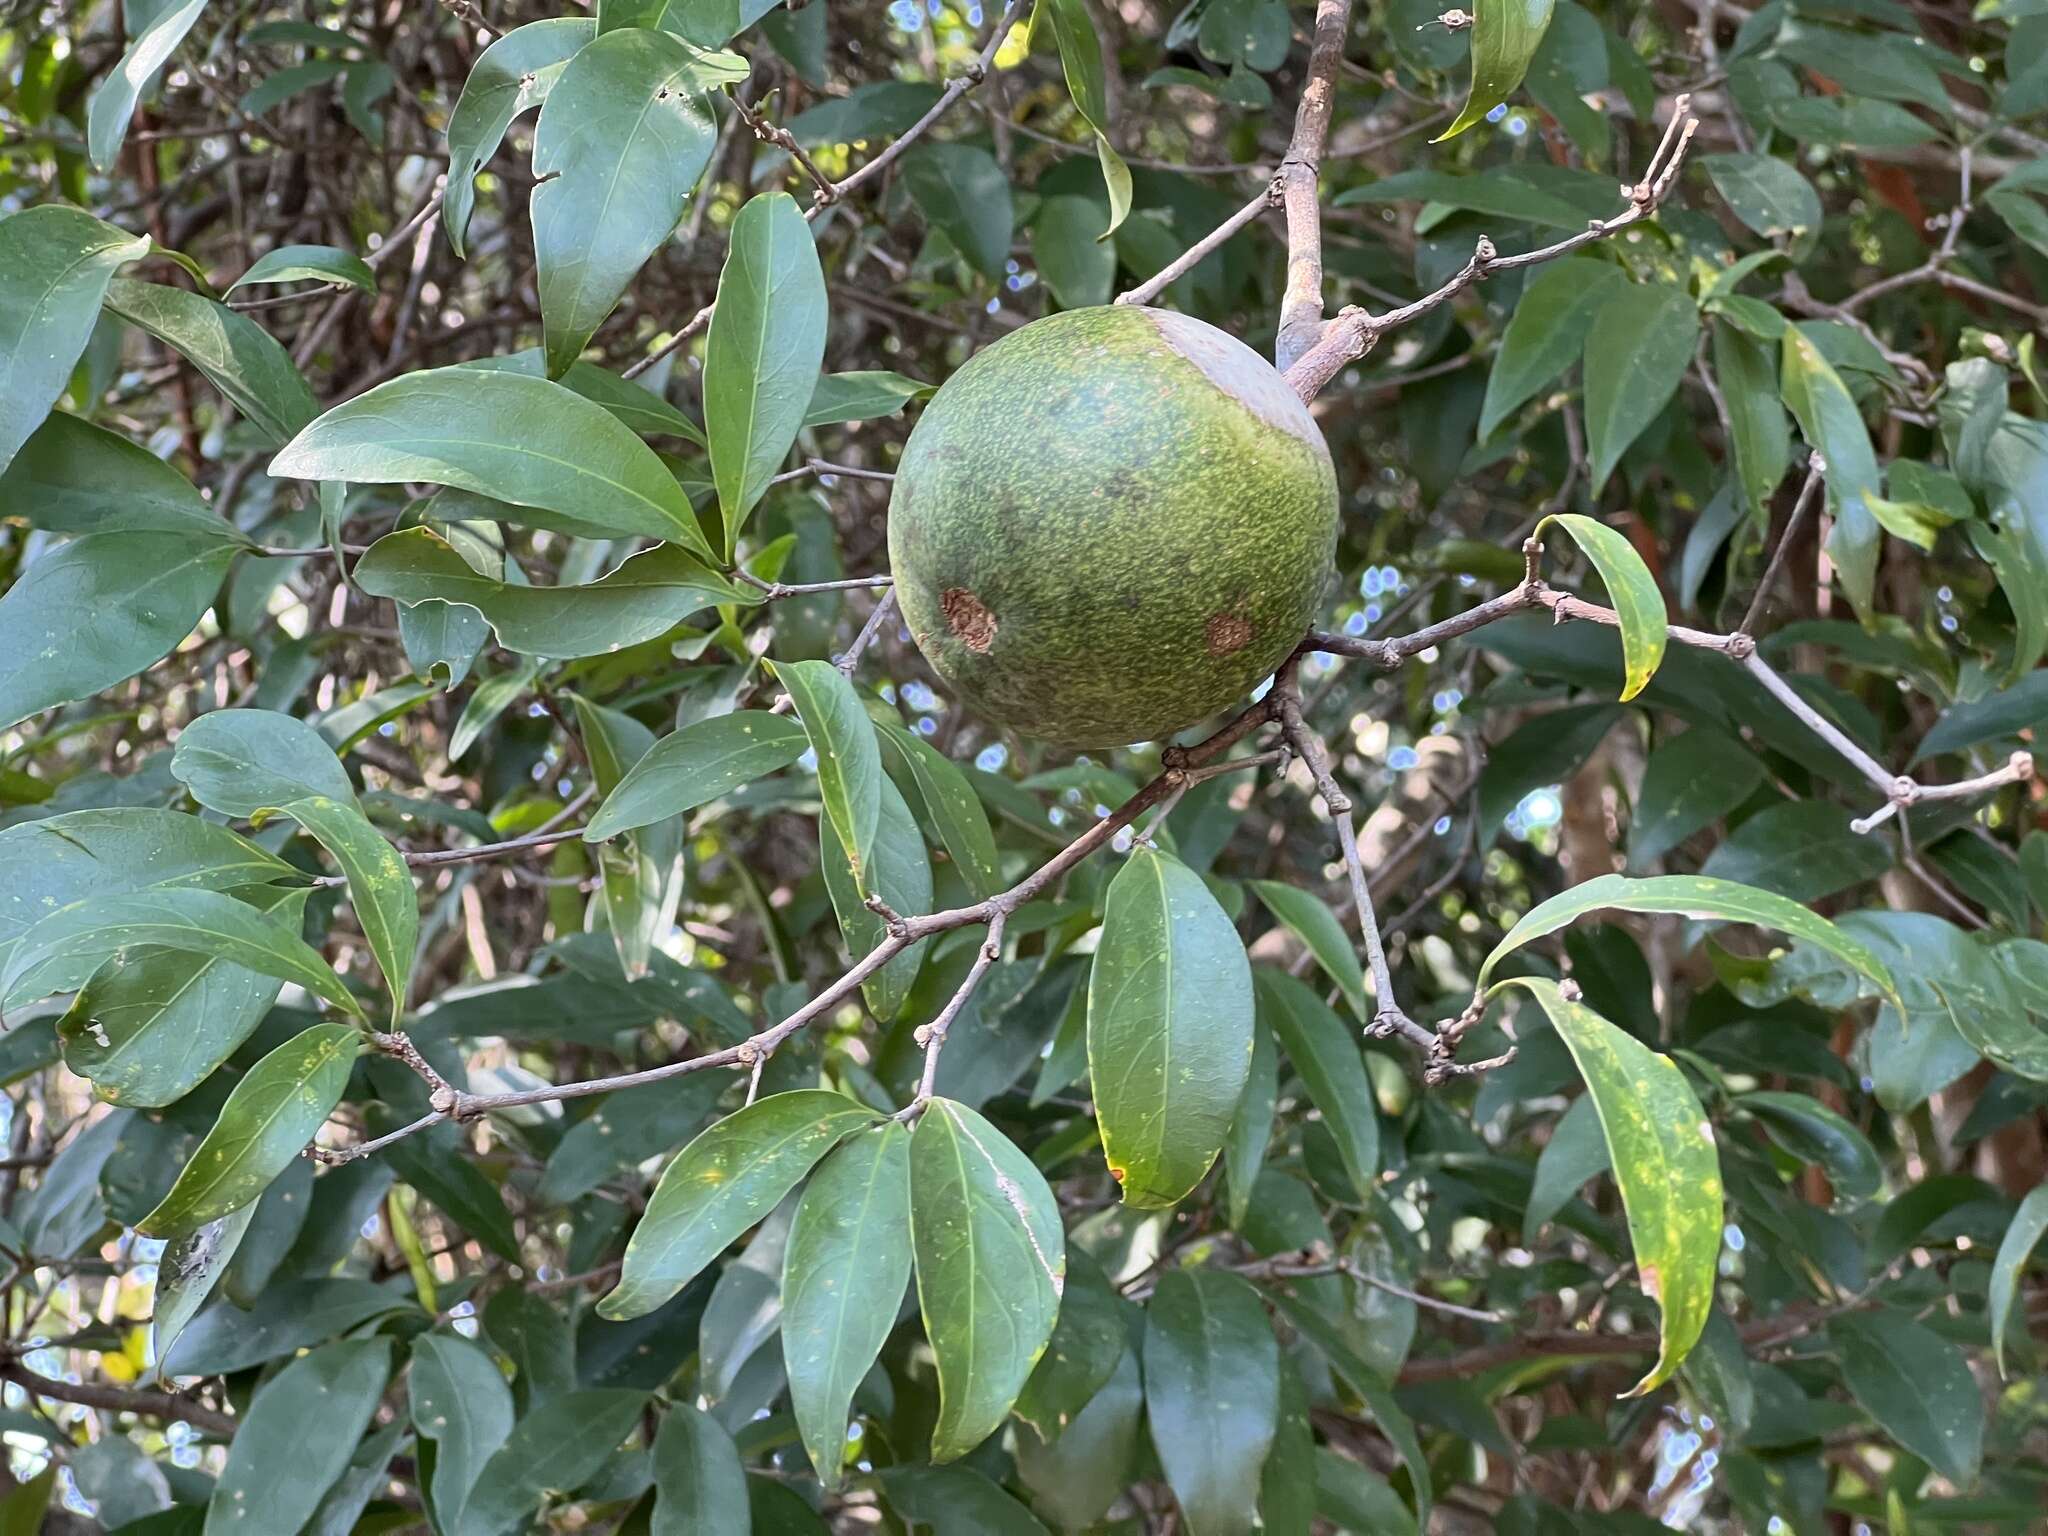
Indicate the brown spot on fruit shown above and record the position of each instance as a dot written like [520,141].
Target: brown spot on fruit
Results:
[968,617]
[1227,632]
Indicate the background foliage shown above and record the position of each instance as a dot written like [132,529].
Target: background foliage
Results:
[396,762]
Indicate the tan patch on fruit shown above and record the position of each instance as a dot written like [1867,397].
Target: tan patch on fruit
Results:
[1227,632]
[968,617]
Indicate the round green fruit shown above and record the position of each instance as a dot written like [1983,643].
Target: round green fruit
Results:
[1110,524]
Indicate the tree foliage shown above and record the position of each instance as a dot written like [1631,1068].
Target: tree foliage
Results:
[528,1010]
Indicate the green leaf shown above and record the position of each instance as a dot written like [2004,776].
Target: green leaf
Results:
[1766,193]
[642,876]
[186,1274]
[646,596]
[1088,1340]
[512,76]
[700,1488]
[1833,428]
[1917,1386]
[1691,896]
[1637,349]
[1505,37]
[80,478]
[238,357]
[112,104]
[561,1444]
[1251,1127]
[59,953]
[1546,334]
[2029,1223]
[525,441]
[280,86]
[951,807]
[1662,1151]
[1812,1133]
[1545,749]
[1081,62]
[151,1026]
[956,1501]
[1760,435]
[626,133]
[861,396]
[1630,587]
[61,860]
[242,762]
[843,1279]
[1690,782]
[309,264]
[720,1185]
[763,351]
[1576,1151]
[901,875]
[1069,253]
[1080,1475]
[849,755]
[695,765]
[635,406]
[991,1262]
[1316,925]
[1804,849]
[267,1121]
[55,264]
[964,195]
[1169,1028]
[98,610]
[461,1403]
[1212,1396]
[1327,1055]
[379,887]
[1500,193]
[300,1432]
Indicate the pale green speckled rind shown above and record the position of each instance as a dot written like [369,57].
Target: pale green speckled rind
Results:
[1138,502]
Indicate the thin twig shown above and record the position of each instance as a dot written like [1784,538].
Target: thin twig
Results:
[1816,468]
[1193,256]
[1301,309]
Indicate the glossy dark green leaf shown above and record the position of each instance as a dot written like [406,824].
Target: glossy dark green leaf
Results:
[641,874]
[1691,896]
[1546,334]
[99,609]
[1088,1340]
[1637,349]
[244,761]
[641,409]
[956,1501]
[461,1403]
[1804,849]
[1662,1151]
[901,876]
[1251,1127]
[951,807]
[65,948]
[964,195]
[112,104]
[1325,1052]
[1080,1475]
[720,1185]
[1575,1152]
[1505,37]
[696,765]
[300,1432]
[239,358]
[512,76]
[1169,1028]
[1690,782]
[646,596]
[61,860]
[559,1445]
[1544,750]
[991,1262]
[186,1273]
[849,757]
[1917,1386]
[861,396]
[1638,605]
[626,1129]
[1069,253]
[2022,1237]
[843,1278]
[623,138]
[1312,921]
[1766,193]
[1212,1396]
[528,442]
[1813,1133]
[762,353]
[1073,29]
[1833,428]
[79,478]
[308,263]
[700,1487]
[380,887]
[267,1121]
[152,1025]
